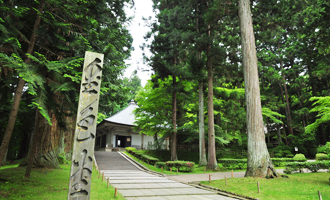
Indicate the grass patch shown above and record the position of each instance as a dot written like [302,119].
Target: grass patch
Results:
[297,186]
[46,184]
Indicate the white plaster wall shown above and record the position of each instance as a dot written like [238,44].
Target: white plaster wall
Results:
[148,139]
[136,140]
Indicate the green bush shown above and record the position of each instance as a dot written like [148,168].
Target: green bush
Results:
[149,159]
[130,149]
[241,163]
[324,149]
[183,166]
[233,163]
[322,156]
[312,166]
[62,159]
[299,157]
[160,165]
[281,161]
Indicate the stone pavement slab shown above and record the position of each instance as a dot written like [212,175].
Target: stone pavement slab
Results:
[151,186]
[164,192]
[135,184]
[164,180]
[112,161]
[183,197]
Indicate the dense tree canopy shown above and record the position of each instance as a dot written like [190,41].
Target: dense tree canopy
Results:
[51,69]
[292,47]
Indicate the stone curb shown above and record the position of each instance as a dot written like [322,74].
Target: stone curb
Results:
[139,166]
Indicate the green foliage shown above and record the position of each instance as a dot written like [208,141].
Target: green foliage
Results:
[130,149]
[322,156]
[62,159]
[160,164]
[141,155]
[183,166]
[322,106]
[233,163]
[281,151]
[324,149]
[241,163]
[312,166]
[299,157]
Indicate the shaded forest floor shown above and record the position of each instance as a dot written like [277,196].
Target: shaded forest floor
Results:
[46,184]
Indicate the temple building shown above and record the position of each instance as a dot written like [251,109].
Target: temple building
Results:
[116,132]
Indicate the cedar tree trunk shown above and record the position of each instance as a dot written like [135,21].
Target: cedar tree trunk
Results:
[174,139]
[259,163]
[19,90]
[202,153]
[212,161]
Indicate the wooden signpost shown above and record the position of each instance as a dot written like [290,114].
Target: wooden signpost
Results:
[85,132]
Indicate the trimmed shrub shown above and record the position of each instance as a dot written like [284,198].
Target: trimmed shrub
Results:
[312,166]
[233,163]
[241,163]
[149,159]
[321,156]
[281,161]
[130,149]
[183,166]
[299,158]
[160,164]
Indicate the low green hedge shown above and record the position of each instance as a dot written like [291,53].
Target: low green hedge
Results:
[312,166]
[130,149]
[233,163]
[182,166]
[241,163]
[140,155]
[149,159]
[322,156]
[299,157]
[160,165]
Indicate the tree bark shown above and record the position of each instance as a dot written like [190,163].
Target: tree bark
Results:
[289,118]
[279,133]
[259,163]
[174,139]
[45,143]
[202,153]
[212,161]
[19,89]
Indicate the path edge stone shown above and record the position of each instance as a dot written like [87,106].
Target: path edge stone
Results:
[139,166]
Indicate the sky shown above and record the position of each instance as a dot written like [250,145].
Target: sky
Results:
[137,28]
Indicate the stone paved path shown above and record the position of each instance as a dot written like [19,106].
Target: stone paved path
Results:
[135,184]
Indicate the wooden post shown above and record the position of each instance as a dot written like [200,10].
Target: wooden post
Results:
[320,197]
[115,192]
[108,183]
[209,178]
[155,166]
[162,169]
[85,127]
[171,169]
[204,168]
[226,180]
[232,173]
[102,176]
[177,171]
[258,187]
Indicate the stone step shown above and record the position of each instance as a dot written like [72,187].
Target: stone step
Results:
[164,192]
